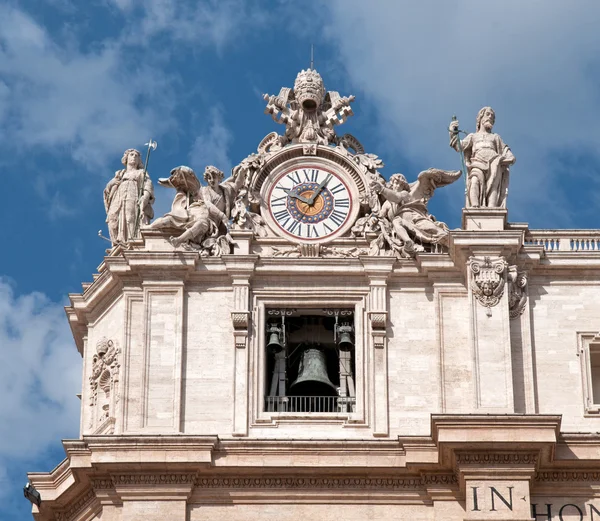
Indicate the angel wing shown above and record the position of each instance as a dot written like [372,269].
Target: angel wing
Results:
[430,179]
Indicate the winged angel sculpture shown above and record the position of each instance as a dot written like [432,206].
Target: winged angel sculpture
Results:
[399,213]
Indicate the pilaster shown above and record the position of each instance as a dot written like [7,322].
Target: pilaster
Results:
[240,268]
[378,270]
[162,361]
[484,255]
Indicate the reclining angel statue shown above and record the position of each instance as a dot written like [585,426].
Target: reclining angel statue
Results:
[404,221]
[202,212]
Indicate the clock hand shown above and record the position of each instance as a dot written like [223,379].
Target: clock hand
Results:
[319,188]
[296,196]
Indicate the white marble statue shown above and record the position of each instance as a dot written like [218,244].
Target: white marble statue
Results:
[487,159]
[202,212]
[308,112]
[403,218]
[128,199]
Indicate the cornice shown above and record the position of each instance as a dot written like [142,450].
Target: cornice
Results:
[80,503]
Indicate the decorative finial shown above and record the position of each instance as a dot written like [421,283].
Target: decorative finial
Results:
[312,56]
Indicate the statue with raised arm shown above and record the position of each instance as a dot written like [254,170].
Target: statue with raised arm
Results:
[202,212]
[487,159]
[403,217]
[128,199]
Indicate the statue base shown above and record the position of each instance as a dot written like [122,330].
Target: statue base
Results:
[484,219]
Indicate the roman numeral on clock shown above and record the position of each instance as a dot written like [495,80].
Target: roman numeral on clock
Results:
[312,231]
[337,217]
[295,228]
[281,187]
[310,176]
[282,217]
[342,203]
[279,201]
[295,176]
[337,188]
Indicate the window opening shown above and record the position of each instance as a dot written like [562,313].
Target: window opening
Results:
[310,361]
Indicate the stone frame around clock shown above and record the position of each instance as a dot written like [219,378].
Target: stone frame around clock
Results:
[259,418]
[328,158]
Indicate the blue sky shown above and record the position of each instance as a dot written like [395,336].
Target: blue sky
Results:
[81,81]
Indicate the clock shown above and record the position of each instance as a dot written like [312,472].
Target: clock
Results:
[310,203]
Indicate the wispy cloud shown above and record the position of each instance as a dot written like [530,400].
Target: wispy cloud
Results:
[40,372]
[91,101]
[215,23]
[65,97]
[534,62]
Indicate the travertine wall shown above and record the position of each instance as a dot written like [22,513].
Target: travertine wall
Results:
[208,361]
[178,355]
[561,309]
[413,359]
[303,512]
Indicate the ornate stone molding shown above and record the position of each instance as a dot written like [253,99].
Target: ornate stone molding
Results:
[77,506]
[104,483]
[561,476]
[496,458]
[517,291]
[174,478]
[104,389]
[378,319]
[440,479]
[350,482]
[488,277]
[240,319]
[318,250]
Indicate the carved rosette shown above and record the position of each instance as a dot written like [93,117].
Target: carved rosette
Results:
[517,291]
[488,278]
[104,382]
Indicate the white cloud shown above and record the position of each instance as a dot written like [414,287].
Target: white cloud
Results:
[39,376]
[211,146]
[535,62]
[208,23]
[85,101]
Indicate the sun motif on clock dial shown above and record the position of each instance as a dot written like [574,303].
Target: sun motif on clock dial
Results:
[310,203]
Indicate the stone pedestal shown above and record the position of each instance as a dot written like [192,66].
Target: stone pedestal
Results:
[484,219]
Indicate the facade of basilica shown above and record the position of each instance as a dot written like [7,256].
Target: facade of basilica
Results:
[303,340]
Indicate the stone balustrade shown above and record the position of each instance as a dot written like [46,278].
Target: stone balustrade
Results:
[564,240]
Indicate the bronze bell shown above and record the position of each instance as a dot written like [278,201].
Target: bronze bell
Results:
[274,344]
[345,342]
[312,376]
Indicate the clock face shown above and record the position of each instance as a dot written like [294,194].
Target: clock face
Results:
[310,203]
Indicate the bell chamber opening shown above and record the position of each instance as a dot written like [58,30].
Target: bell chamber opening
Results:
[310,360]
